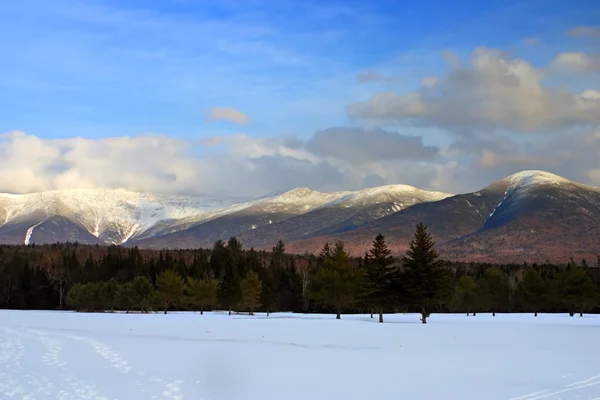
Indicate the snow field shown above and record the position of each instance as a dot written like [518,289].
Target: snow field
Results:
[77,356]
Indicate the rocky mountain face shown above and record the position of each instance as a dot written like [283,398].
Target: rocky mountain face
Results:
[529,216]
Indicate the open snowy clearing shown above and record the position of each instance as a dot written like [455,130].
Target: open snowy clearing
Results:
[72,356]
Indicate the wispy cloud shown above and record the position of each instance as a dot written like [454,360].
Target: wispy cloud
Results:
[533,41]
[588,31]
[227,114]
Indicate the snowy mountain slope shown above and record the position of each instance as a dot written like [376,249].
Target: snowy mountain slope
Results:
[533,191]
[532,215]
[119,216]
[528,214]
[259,224]
[112,216]
[350,211]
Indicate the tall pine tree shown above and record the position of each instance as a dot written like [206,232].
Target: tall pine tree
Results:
[251,291]
[379,274]
[169,288]
[337,283]
[466,295]
[201,293]
[425,281]
[494,290]
[531,292]
[229,291]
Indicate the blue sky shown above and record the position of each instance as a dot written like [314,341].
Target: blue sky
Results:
[106,68]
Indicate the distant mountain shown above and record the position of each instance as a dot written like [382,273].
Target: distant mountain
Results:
[124,217]
[101,216]
[529,216]
[298,214]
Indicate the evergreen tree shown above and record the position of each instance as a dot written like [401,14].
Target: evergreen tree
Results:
[202,293]
[378,277]
[229,290]
[91,297]
[101,301]
[74,296]
[124,297]
[109,293]
[277,260]
[531,292]
[337,283]
[218,259]
[236,255]
[325,253]
[142,293]
[251,291]
[268,293]
[425,281]
[252,261]
[466,295]
[169,288]
[494,290]
[576,290]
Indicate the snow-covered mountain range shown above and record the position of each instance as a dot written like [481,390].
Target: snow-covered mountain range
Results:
[531,214]
[119,216]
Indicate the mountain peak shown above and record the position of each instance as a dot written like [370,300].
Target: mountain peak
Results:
[535,177]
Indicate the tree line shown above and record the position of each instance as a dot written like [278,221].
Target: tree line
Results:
[229,277]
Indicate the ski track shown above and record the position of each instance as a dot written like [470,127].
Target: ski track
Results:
[555,394]
[67,385]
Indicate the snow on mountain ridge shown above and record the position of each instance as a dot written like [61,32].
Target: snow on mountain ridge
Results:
[118,215]
[114,215]
[535,177]
[400,190]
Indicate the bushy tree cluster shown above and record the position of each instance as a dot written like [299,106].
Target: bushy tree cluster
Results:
[570,288]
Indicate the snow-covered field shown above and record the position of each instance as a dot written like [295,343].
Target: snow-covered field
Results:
[64,355]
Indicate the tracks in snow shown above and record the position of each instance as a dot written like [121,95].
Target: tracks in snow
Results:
[580,389]
[37,365]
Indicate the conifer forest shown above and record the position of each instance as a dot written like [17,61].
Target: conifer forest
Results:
[229,278]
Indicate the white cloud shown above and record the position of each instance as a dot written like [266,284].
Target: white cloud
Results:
[573,155]
[532,41]
[372,76]
[29,163]
[227,114]
[231,165]
[239,165]
[494,92]
[594,175]
[575,62]
[429,81]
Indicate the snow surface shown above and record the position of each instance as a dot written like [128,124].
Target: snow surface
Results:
[185,356]
[30,232]
[533,177]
